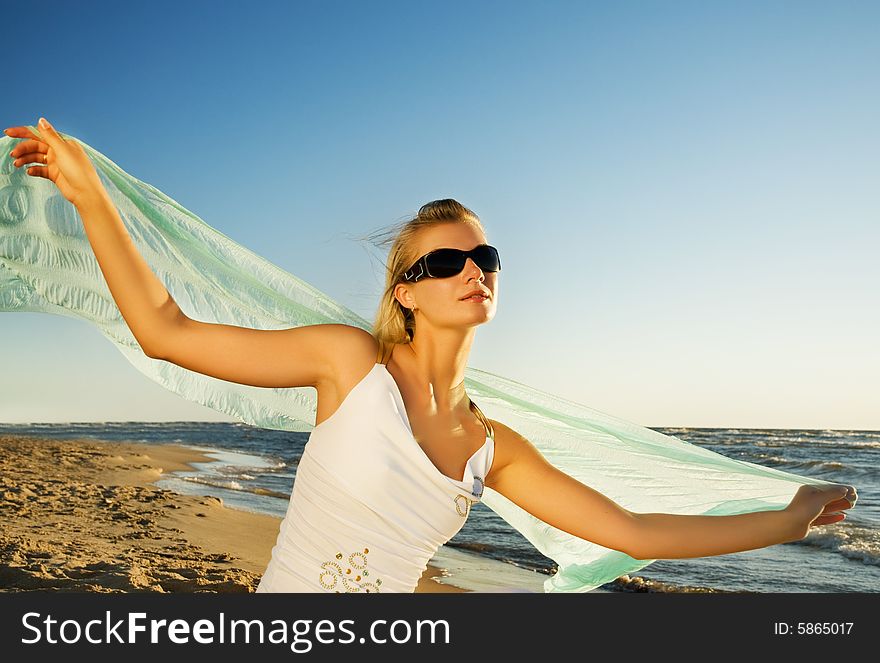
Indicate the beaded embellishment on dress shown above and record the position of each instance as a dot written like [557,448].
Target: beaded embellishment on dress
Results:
[463,503]
[351,578]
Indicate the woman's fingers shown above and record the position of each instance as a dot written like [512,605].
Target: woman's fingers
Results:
[62,160]
[833,510]
[34,149]
[27,147]
[849,493]
[50,136]
[837,505]
[19,132]
[828,519]
[28,151]
[18,163]
[39,171]
[30,157]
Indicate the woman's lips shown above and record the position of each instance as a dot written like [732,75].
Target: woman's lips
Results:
[475,298]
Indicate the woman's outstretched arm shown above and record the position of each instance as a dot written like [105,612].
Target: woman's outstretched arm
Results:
[295,357]
[526,478]
[671,536]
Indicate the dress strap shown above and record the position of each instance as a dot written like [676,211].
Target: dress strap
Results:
[490,429]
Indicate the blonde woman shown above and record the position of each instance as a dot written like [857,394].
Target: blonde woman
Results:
[399,451]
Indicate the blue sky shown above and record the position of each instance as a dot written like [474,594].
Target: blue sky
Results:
[684,194]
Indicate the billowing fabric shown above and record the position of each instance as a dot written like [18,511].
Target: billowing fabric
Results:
[369,508]
[47,265]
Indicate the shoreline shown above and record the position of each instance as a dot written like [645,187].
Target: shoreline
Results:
[85,515]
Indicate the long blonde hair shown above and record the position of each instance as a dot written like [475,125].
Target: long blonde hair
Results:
[394,323]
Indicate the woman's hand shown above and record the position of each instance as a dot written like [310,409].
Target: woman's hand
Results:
[815,505]
[63,161]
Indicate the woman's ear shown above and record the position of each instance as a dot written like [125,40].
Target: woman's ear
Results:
[403,296]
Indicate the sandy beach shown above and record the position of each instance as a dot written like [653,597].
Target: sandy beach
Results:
[80,515]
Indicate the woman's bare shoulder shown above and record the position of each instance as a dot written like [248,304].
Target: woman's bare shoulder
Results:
[353,354]
[354,351]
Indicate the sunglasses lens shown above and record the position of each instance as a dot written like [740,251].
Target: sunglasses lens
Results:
[487,258]
[444,263]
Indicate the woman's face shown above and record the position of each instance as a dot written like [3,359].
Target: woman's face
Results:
[439,300]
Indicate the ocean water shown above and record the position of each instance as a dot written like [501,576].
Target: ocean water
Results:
[254,469]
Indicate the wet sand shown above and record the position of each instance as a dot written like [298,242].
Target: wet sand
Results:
[82,515]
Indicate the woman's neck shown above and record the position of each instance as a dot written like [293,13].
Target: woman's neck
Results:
[436,367]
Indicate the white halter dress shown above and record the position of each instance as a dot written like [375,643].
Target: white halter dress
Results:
[369,509]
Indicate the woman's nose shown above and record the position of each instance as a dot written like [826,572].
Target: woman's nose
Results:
[471,268]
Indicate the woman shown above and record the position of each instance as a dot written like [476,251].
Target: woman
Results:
[377,489]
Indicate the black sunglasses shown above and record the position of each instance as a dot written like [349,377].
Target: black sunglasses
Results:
[443,263]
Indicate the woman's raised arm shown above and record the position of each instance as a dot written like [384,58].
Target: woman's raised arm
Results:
[296,357]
